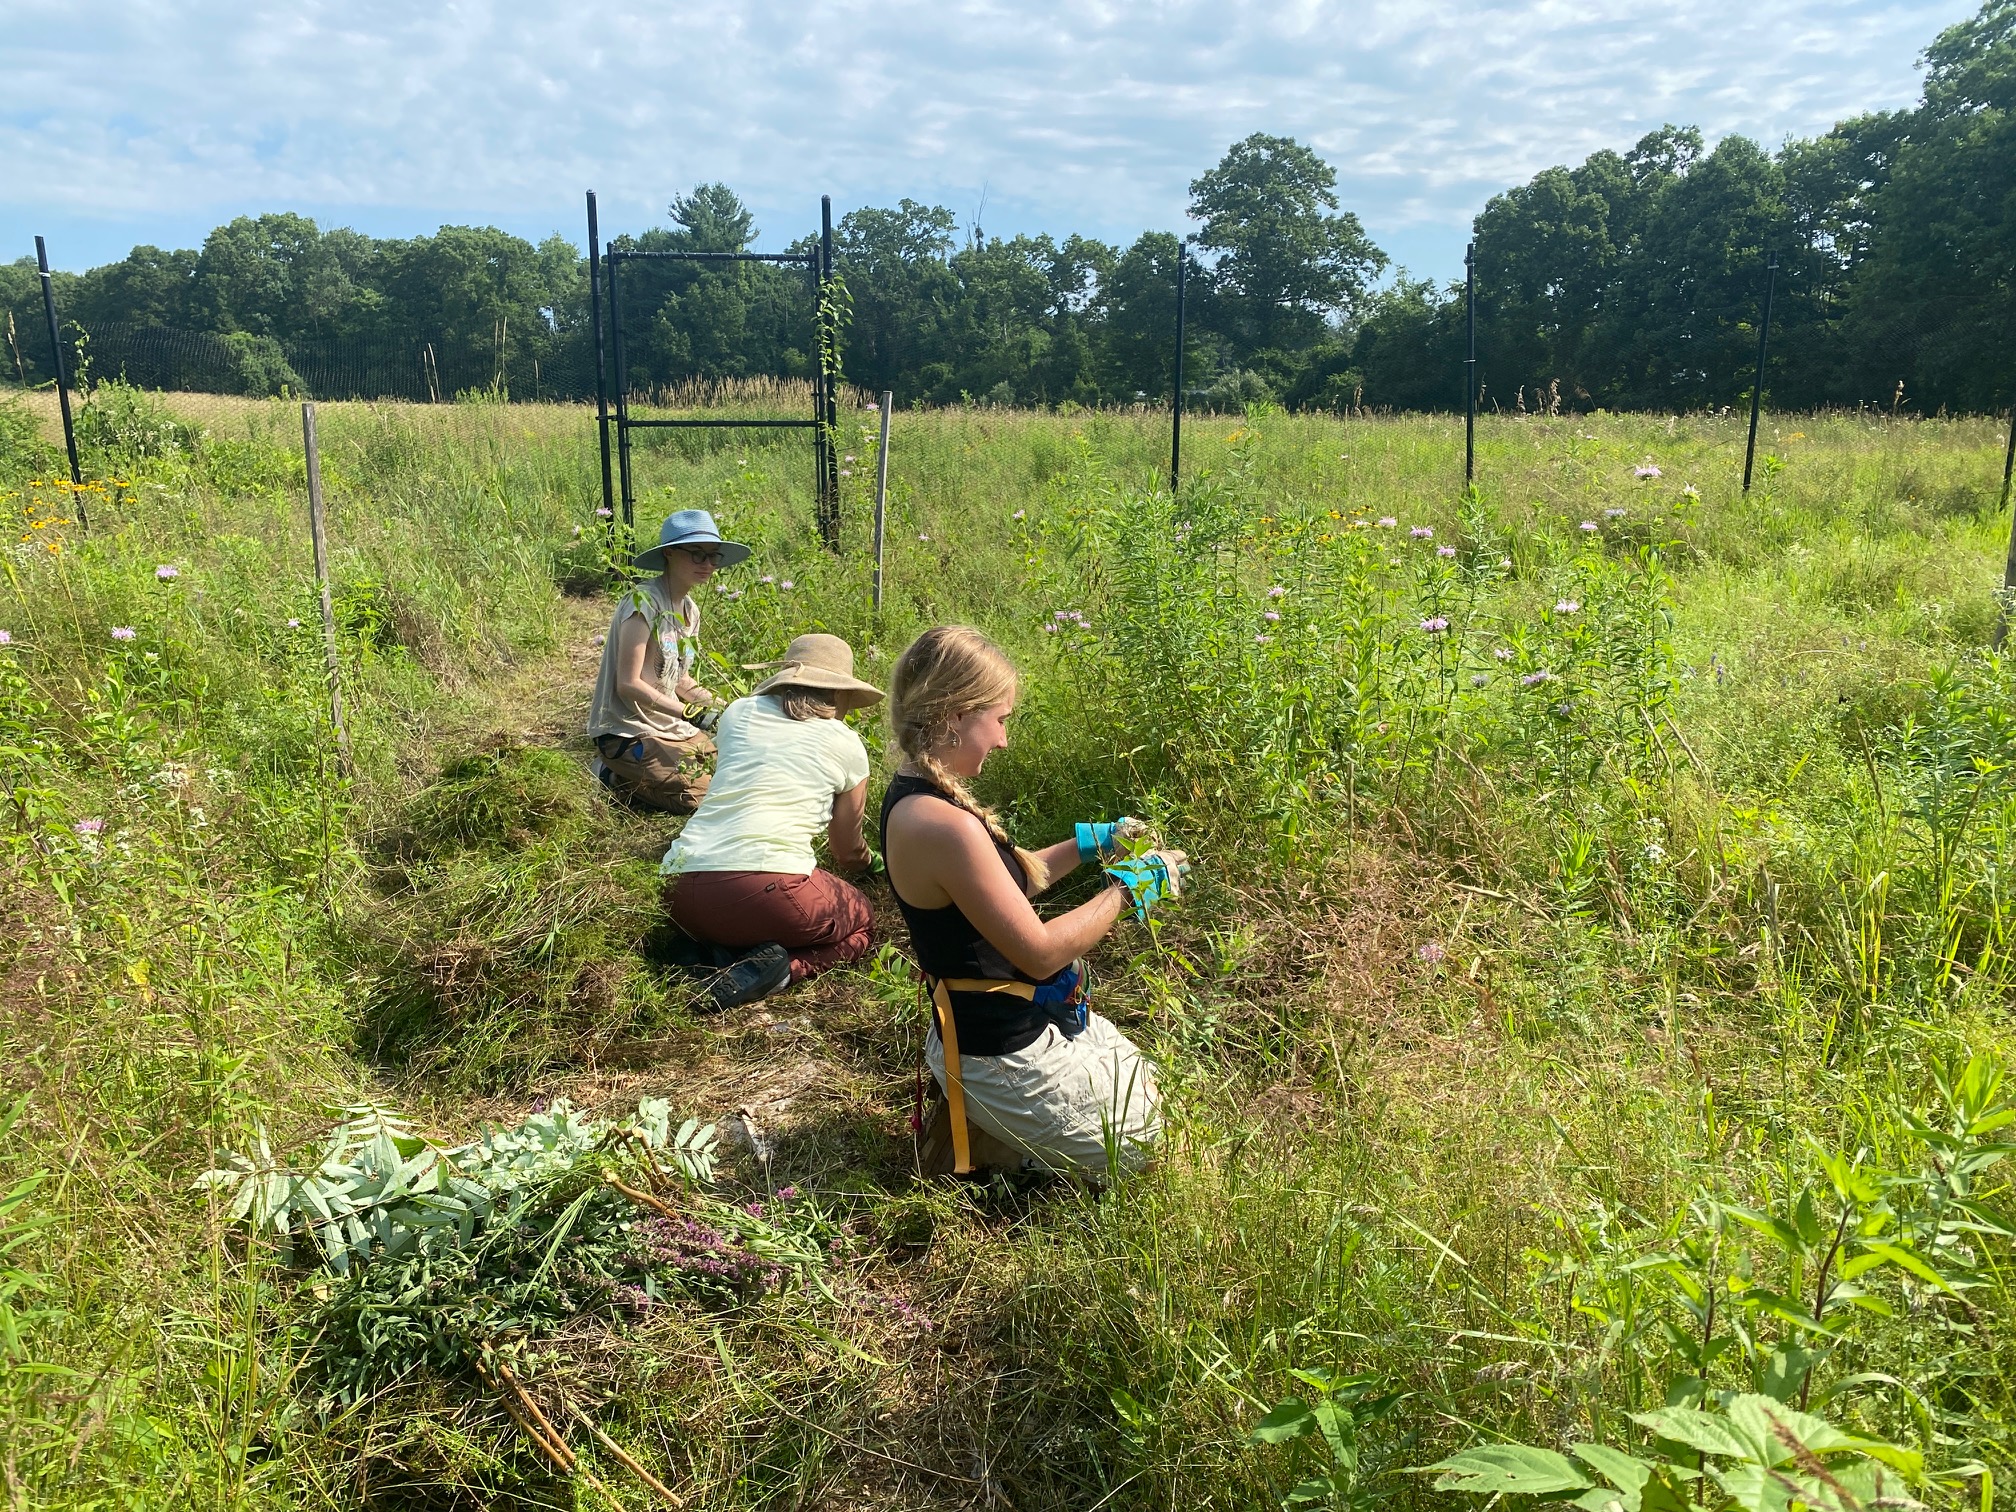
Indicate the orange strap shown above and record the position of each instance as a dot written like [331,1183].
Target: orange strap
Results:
[948,1035]
[955,1090]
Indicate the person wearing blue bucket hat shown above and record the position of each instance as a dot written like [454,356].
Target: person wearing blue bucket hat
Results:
[644,717]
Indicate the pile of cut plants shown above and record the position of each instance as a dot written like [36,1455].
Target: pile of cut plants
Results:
[472,1266]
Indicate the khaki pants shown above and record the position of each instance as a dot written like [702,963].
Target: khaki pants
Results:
[653,772]
[1066,1103]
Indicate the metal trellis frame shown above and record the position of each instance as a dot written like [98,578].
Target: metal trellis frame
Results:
[618,483]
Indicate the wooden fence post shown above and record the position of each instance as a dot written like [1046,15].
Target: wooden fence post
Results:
[315,532]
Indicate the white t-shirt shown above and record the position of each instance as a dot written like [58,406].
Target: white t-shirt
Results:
[775,779]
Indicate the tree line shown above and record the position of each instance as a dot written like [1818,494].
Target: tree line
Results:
[1631,280]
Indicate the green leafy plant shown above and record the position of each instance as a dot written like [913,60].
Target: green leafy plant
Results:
[1335,1413]
[1754,1453]
[380,1189]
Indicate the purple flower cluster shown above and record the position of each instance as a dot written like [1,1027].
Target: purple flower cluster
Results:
[1436,625]
[1387,522]
[1432,952]
[124,633]
[1504,653]
[1067,619]
[1645,471]
[1421,532]
[1277,591]
[1613,514]
[6,639]
[1445,551]
[166,573]
[1589,525]
[1568,606]
[1534,679]
[707,1255]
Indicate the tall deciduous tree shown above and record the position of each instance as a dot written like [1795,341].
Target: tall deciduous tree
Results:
[1287,262]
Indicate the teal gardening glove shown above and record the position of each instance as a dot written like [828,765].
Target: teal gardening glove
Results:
[1148,879]
[1099,842]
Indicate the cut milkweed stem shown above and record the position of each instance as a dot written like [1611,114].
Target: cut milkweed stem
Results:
[642,1199]
[624,1459]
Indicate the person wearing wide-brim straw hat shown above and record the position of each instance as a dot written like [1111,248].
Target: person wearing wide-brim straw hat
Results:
[644,718]
[742,877]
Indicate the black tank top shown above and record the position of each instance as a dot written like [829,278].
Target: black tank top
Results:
[948,946]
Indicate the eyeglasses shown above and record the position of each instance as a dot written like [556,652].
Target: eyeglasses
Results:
[701,554]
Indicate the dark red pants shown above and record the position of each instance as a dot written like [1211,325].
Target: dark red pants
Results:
[821,920]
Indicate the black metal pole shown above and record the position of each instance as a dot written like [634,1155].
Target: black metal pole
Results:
[1176,397]
[832,357]
[814,264]
[1757,386]
[2009,458]
[1470,365]
[601,361]
[622,388]
[62,377]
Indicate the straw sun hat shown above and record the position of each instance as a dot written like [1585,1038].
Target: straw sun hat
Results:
[825,662]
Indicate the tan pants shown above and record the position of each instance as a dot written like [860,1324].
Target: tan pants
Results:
[653,772]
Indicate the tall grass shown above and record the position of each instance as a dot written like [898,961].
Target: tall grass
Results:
[1558,896]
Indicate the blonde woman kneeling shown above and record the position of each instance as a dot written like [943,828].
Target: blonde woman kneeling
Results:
[1013,1045]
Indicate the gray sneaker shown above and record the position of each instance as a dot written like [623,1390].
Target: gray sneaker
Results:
[759,974]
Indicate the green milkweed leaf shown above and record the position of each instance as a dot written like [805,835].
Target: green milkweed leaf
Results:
[1509,1470]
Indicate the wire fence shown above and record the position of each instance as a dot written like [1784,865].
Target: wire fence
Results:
[1681,352]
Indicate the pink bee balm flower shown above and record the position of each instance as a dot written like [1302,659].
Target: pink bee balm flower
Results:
[1445,551]
[1422,533]
[604,512]
[1436,625]
[1646,471]
[1568,606]
[922,537]
[1387,522]
[88,826]
[787,585]
[1263,640]
[124,633]
[166,573]
[766,578]
[1613,514]
[1589,525]
[1270,616]
[1432,952]
[1018,514]
[1276,592]
[1503,653]
[6,638]
[293,624]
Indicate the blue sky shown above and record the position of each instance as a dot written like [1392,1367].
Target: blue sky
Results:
[153,120]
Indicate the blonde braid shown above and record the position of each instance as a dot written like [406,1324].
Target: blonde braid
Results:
[944,675]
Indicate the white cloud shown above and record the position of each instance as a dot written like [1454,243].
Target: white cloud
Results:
[1089,117]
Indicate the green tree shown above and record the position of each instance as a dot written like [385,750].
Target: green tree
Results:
[1935,306]
[1286,265]
[904,295]
[148,287]
[1136,310]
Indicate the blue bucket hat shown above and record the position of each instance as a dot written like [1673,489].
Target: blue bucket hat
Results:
[690,527]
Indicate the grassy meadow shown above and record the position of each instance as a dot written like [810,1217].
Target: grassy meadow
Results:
[1592,997]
